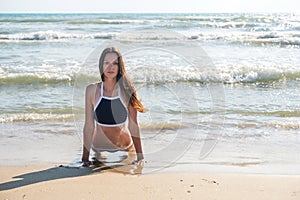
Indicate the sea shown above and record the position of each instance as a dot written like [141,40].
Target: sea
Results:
[222,90]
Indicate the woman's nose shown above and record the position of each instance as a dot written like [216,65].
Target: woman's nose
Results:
[110,65]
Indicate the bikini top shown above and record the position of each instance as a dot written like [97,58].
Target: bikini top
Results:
[110,111]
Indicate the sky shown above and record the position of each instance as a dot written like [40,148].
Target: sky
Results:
[141,6]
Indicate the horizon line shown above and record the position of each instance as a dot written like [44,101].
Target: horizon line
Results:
[148,12]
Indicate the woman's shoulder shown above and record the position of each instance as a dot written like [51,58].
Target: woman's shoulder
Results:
[92,87]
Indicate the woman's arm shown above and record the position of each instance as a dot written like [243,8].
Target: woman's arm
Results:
[89,125]
[135,132]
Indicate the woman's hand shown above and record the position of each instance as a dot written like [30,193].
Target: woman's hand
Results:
[87,163]
[141,163]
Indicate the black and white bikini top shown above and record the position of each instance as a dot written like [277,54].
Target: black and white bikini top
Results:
[110,111]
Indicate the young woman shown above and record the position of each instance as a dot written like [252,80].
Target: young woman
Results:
[111,110]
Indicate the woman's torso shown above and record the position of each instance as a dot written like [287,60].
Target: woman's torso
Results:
[115,130]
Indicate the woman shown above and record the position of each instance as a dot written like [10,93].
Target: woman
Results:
[108,106]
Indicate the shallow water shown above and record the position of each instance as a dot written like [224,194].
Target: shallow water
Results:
[235,108]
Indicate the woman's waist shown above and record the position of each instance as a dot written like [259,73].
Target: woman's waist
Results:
[112,132]
[119,137]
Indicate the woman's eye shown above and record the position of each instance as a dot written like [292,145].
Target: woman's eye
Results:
[108,63]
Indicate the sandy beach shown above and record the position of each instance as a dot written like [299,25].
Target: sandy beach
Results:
[58,182]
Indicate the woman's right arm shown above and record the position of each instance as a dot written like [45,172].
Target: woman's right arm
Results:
[89,125]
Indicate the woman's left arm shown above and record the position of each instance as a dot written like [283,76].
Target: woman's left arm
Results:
[135,132]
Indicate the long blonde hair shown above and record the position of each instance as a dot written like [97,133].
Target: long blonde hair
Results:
[122,78]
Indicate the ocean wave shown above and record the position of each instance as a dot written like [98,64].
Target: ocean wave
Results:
[228,25]
[36,79]
[156,75]
[46,72]
[253,124]
[25,117]
[280,113]
[220,74]
[161,126]
[279,42]
[260,38]
[31,20]
[70,21]
[227,18]
[37,74]
[239,22]
[284,125]
[275,125]
[104,21]
[257,74]
[150,127]
[251,38]
[53,35]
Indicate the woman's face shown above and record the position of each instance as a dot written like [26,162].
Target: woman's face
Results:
[111,65]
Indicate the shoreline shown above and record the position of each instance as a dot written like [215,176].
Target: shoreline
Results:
[58,182]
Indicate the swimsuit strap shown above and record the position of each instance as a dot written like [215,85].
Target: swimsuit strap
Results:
[101,90]
[97,99]
[119,91]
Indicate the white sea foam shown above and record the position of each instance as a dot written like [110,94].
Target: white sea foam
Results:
[159,74]
[30,117]
[50,35]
